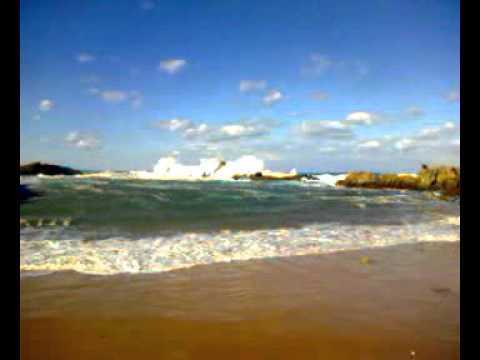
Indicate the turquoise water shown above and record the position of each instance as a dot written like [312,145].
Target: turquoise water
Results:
[146,225]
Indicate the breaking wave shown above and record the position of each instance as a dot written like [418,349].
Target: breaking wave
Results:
[164,253]
[324,179]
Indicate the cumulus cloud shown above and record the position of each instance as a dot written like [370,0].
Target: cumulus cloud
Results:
[252,85]
[434,133]
[327,150]
[82,141]
[361,118]
[172,66]
[114,96]
[117,96]
[196,131]
[85,58]
[317,65]
[430,137]
[327,129]
[240,130]
[272,97]
[406,144]
[230,131]
[175,124]
[298,113]
[46,105]
[453,95]
[370,144]
[415,111]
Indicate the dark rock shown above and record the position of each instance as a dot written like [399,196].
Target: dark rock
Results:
[26,193]
[36,168]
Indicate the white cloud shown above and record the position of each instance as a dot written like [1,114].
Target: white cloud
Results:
[405,144]
[175,124]
[362,117]
[415,111]
[241,130]
[435,133]
[326,128]
[272,97]
[46,105]
[298,113]
[196,131]
[234,130]
[172,66]
[82,141]
[118,96]
[214,134]
[318,64]
[114,96]
[85,58]
[449,125]
[327,150]
[252,85]
[453,95]
[429,138]
[93,91]
[370,144]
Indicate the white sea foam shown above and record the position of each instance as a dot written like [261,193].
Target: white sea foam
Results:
[169,168]
[325,179]
[120,255]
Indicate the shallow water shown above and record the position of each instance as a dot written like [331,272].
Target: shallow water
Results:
[108,226]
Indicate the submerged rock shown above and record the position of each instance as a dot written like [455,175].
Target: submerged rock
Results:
[270,175]
[274,175]
[26,193]
[36,168]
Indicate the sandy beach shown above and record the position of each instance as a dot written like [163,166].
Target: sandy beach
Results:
[380,303]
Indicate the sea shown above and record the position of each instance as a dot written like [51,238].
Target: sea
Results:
[117,225]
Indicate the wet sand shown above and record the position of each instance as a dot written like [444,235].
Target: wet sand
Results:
[404,298]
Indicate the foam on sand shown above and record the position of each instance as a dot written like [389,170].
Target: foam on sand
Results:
[162,253]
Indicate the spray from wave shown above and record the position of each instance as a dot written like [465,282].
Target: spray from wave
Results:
[324,179]
[169,168]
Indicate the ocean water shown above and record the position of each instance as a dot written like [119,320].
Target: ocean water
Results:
[118,225]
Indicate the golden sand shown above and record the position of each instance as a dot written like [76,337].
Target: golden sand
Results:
[403,300]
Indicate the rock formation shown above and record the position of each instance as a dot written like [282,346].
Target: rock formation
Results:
[445,179]
[36,168]
[26,193]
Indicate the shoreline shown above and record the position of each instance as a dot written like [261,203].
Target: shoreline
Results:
[378,303]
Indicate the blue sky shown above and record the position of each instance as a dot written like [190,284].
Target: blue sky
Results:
[315,85]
